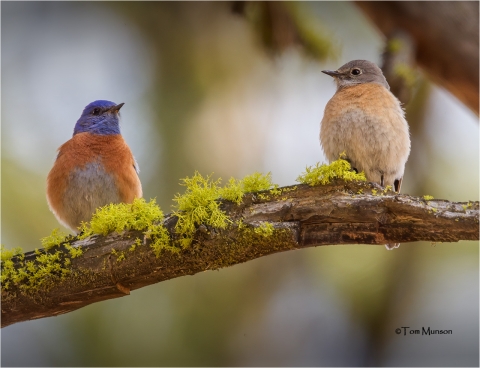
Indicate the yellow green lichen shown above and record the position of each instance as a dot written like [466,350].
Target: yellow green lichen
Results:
[74,251]
[32,274]
[386,189]
[198,205]
[45,266]
[394,45]
[9,273]
[49,264]
[427,197]
[38,272]
[200,202]
[314,38]
[467,206]
[120,255]
[309,33]
[265,229]
[138,215]
[236,189]
[160,239]
[55,238]
[122,217]
[240,224]
[8,254]
[324,174]
[405,72]
[137,243]
[233,191]
[275,190]
[374,192]
[289,189]
[249,243]
[257,182]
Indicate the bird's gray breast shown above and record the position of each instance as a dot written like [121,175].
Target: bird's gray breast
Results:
[89,188]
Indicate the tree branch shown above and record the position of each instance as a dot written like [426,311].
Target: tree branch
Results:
[446,39]
[305,217]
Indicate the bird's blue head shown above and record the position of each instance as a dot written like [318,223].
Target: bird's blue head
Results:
[99,117]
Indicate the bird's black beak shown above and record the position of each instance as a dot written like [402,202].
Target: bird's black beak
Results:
[332,73]
[116,108]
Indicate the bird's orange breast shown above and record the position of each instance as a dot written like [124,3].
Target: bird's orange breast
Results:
[109,152]
[371,98]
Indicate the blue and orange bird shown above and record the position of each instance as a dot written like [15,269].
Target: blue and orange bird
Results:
[94,168]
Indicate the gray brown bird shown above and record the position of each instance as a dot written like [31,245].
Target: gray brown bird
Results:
[366,121]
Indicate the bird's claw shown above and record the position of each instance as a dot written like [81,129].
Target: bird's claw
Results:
[376,185]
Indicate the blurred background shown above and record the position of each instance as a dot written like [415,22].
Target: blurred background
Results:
[228,88]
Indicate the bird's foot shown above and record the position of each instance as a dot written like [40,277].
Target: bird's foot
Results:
[376,185]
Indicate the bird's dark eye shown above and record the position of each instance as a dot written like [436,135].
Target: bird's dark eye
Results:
[96,111]
[356,71]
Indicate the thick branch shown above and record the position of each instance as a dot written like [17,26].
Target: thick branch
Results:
[446,38]
[305,217]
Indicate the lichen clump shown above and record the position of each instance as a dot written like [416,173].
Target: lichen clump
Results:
[198,205]
[32,274]
[265,229]
[324,174]
[54,239]
[121,217]
[9,273]
[138,215]
[469,205]
[236,189]
[395,45]
[405,72]
[200,202]
[47,264]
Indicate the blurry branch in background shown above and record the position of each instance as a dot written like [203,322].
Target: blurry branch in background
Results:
[399,65]
[264,223]
[282,25]
[445,37]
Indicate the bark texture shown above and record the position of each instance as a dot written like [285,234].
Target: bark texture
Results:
[446,39]
[308,216]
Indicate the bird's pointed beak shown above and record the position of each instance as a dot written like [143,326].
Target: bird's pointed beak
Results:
[332,73]
[116,108]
